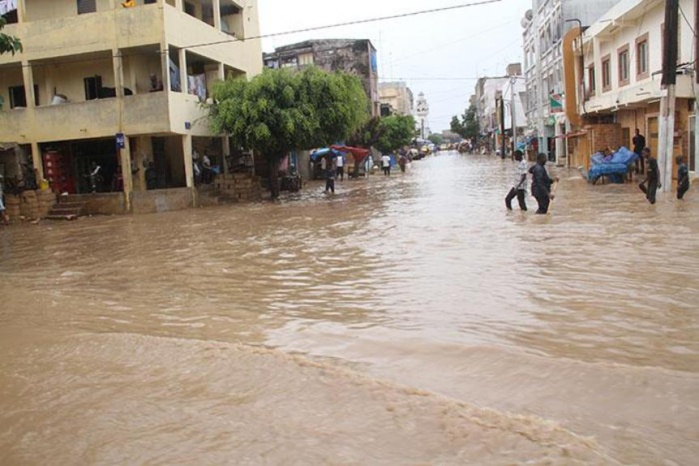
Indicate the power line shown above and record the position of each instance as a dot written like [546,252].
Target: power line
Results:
[351,23]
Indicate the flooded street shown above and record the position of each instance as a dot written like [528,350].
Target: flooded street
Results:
[410,320]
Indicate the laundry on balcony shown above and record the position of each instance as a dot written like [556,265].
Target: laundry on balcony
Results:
[7,5]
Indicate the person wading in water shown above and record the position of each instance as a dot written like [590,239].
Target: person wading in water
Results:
[652,182]
[520,187]
[541,184]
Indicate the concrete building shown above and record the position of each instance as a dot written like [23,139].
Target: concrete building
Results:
[544,27]
[352,56]
[397,98]
[121,87]
[488,92]
[619,90]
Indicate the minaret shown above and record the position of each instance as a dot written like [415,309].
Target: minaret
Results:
[422,110]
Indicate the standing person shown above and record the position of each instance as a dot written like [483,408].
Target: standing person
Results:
[329,174]
[541,184]
[652,182]
[639,142]
[402,162]
[340,167]
[520,188]
[386,164]
[682,177]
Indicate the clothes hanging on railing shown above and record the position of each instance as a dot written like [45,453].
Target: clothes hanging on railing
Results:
[7,5]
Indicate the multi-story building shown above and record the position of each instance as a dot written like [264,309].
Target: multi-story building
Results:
[488,92]
[621,60]
[397,98]
[544,26]
[357,57]
[103,84]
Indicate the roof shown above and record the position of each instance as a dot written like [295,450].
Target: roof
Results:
[314,44]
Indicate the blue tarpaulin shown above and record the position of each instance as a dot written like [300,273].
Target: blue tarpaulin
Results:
[323,152]
[614,166]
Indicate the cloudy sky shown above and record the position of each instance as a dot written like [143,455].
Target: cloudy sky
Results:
[440,54]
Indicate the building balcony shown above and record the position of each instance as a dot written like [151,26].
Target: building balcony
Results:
[87,33]
[142,114]
[635,95]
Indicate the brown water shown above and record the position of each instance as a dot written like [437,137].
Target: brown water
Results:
[409,320]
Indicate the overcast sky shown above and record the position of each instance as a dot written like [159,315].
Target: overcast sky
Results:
[440,54]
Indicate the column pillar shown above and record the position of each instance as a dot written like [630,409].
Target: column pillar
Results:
[28,78]
[37,161]
[179,4]
[221,72]
[21,11]
[125,158]
[217,14]
[165,66]
[187,155]
[183,71]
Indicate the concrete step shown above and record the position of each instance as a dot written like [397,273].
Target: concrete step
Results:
[61,217]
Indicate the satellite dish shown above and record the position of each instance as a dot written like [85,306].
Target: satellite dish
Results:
[529,15]
[525,22]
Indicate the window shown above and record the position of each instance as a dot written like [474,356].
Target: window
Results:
[591,80]
[305,59]
[642,57]
[87,6]
[18,97]
[623,63]
[93,84]
[606,73]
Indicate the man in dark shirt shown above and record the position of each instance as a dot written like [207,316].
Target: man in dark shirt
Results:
[639,142]
[682,177]
[541,184]
[652,182]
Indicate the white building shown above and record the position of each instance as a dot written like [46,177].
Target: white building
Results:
[544,26]
[397,97]
[622,62]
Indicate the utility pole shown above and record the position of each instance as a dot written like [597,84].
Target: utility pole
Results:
[513,80]
[668,102]
[502,126]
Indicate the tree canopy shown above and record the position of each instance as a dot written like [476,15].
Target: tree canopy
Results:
[436,138]
[467,125]
[397,131]
[281,110]
[8,44]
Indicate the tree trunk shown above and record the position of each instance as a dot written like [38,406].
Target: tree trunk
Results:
[356,168]
[274,178]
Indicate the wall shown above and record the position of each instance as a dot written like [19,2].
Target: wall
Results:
[9,76]
[101,203]
[68,78]
[162,200]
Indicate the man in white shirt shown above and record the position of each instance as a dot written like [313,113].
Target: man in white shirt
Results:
[520,185]
[386,164]
[340,167]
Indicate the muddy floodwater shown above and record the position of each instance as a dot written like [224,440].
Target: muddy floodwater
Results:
[410,320]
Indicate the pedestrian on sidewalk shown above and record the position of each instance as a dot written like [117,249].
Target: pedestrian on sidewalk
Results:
[652,182]
[519,189]
[541,184]
[639,142]
[386,164]
[682,177]
[340,167]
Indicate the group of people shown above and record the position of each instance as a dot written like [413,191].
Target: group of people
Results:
[651,183]
[541,184]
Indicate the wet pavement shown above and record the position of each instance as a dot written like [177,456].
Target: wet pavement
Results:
[404,320]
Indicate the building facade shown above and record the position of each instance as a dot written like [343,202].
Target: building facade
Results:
[101,84]
[490,96]
[616,81]
[357,57]
[397,98]
[544,26]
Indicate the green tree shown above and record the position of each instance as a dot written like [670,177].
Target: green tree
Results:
[280,110]
[8,44]
[436,138]
[466,126]
[397,132]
